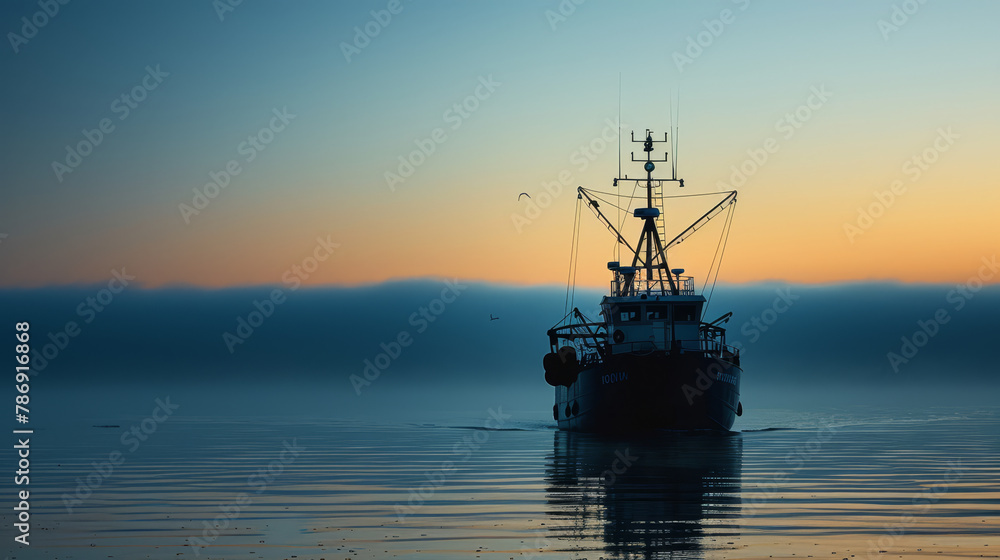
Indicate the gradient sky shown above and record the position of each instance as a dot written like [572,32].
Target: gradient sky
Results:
[323,175]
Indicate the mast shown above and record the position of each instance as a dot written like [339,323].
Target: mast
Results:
[651,221]
[649,240]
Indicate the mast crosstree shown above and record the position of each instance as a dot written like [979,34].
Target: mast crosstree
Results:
[649,266]
[649,254]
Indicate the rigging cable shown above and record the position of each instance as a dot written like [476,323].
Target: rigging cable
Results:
[632,197]
[572,251]
[728,228]
[609,203]
[718,246]
[576,264]
[592,191]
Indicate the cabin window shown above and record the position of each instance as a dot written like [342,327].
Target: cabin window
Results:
[656,313]
[684,313]
[628,313]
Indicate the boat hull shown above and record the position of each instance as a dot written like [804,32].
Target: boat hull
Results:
[631,393]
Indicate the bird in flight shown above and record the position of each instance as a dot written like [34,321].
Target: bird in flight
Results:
[523,194]
[492,318]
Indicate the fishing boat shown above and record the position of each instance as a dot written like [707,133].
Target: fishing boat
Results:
[649,361]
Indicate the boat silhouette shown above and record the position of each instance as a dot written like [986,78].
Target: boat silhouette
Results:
[650,361]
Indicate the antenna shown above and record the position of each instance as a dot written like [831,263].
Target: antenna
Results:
[619,124]
[673,135]
[618,199]
[677,130]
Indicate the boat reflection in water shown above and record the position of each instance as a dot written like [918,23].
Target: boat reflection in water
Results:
[674,494]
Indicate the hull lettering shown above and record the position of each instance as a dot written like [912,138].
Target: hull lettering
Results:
[614,377]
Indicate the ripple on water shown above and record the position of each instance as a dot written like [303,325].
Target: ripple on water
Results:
[321,488]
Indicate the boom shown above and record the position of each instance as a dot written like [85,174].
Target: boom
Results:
[600,215]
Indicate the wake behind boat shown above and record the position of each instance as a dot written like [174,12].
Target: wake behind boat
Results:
[650,361]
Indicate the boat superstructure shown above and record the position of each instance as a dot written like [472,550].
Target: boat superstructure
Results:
[649,361]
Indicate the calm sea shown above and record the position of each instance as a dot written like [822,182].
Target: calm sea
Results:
[499,484]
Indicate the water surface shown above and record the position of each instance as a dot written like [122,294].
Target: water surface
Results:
[835,484]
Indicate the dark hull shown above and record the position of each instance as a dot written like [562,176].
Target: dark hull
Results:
[633,393]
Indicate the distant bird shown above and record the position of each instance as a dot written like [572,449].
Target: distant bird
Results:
[523,194]
[492,318]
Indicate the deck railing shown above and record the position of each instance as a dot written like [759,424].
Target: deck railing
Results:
[707,346]
[651,286]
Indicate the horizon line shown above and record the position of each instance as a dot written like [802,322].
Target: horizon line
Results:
[479,281]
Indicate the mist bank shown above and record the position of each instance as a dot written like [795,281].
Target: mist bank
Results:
[439,335]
